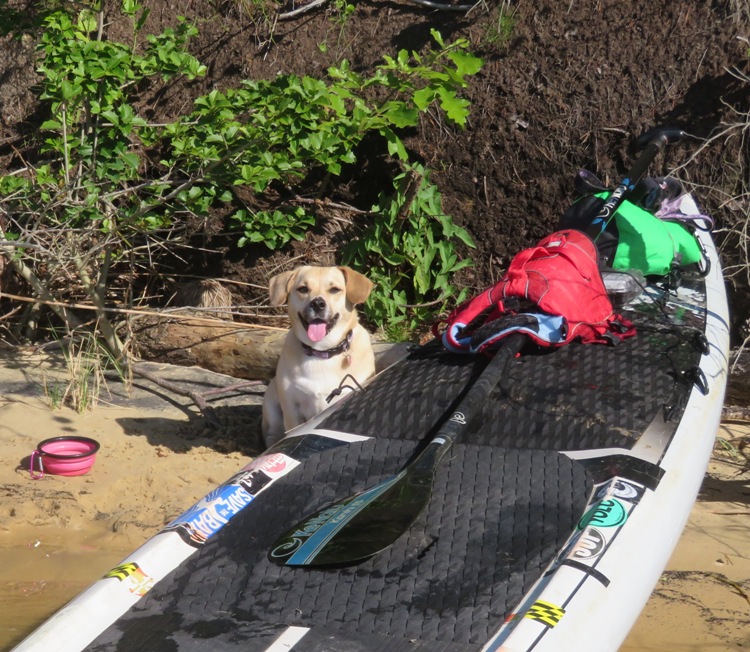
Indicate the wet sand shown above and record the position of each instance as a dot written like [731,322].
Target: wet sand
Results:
[702,601]
[57,535]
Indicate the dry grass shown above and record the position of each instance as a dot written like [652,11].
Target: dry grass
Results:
[87,361]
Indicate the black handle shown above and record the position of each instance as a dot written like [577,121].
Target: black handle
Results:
[663,135]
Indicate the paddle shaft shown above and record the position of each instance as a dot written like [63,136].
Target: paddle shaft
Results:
[654,140]
[358,527]
[472,402]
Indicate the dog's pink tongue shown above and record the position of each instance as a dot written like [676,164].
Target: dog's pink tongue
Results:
[316,331]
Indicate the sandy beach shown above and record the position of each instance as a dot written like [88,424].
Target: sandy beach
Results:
[158,457]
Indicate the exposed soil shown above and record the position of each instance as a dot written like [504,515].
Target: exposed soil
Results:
[571,87]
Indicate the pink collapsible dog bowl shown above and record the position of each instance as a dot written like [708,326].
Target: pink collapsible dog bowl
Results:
[67,455]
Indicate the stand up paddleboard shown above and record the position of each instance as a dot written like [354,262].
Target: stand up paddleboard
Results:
[546,527]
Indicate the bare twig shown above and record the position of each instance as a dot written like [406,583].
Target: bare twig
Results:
[302,10]
[42,292]
[95,293]
[327,203]
[444,7]
[439,6]
[414,181]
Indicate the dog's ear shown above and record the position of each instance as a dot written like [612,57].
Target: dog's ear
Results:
[358,286]
[280,285]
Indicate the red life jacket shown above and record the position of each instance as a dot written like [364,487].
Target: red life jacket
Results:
[553,292]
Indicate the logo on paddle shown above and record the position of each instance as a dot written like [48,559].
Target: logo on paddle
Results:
[300,535]
[304,543]
[459,417]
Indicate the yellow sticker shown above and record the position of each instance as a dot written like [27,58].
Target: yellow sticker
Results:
[545,612]
[122,571]
[135,579]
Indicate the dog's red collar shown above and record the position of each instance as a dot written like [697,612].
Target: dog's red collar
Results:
[343,347]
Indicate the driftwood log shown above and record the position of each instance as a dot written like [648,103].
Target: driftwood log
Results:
[226,348]
[231,349]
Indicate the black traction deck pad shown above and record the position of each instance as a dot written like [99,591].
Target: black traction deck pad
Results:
[489,531]
[576,397]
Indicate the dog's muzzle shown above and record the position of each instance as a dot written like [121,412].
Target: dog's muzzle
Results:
[317,319]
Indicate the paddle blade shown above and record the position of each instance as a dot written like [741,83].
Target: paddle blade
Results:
[358,527]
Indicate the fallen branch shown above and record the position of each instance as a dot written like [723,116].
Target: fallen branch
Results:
[438,6]
[443,7]
[199,398]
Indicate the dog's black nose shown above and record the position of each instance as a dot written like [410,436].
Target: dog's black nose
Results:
[318,304]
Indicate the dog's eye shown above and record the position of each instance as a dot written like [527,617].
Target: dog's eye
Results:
[303,289]
[334,290]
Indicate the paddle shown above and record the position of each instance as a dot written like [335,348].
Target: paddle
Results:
[653,141]
[360,526]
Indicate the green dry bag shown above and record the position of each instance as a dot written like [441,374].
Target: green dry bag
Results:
[650,244]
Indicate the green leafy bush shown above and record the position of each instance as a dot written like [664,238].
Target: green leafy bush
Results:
[120,189]
[409,254]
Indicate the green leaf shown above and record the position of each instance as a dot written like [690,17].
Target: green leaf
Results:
[129,7]
[51,124]
[68,90]
[422,280]
[142,19]
[424,97]
[87,21]
[395,144]
[455,108]
[400,115]
[466,64]
[111,116]
[438,37]
[131,159]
